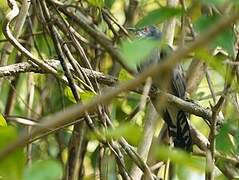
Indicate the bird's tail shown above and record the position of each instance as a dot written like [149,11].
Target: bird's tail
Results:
[181,132]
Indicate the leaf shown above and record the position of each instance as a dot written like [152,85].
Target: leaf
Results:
[95,156]
[86,96]
[204,22]
[179,157]
[109,3]
[109,167]
[236,2]
[199,95]
[136,51]
[225,39]
[237,141]
[159,15]
[44,44]
[96,3]
[214,2]
[68,93]
[124,75]
[131,132]
[3,122]
[41,170]
[194,12]
[223,141]
[213,62]
[11,167]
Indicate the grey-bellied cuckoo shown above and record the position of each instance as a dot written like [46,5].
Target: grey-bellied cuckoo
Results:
[176,119]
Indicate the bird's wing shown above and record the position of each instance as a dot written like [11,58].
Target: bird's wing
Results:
[178,82]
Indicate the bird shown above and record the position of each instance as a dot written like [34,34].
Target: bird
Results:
[176,119]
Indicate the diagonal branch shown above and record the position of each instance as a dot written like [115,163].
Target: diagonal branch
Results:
[24,67]
[71,113]
[87,25]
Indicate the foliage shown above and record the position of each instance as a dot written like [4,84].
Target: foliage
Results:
[48,170]
[81,46]
[13,163]
[141,46]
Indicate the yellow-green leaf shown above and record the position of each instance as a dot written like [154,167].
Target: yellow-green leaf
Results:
[131,132]
[41,170]
[225,39]
[11,166]
[124,75]
[213,62]
[69,94]
[96,3]
[159,15]
[3,122]
[180,157]
[86,96]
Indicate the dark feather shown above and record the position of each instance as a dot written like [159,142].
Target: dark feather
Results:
[177,120]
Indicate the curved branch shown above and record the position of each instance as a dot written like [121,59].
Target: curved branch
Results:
[90,29]
[7,32]
[71,113]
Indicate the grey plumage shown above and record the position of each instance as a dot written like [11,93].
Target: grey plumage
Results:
[176,119]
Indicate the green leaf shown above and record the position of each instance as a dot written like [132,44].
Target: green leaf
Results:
[131,132]
[44,44]
[41,170]
[69,94]
[223,141]
[194,12]
[179,157]
[220,2]
[86,96]
[214,2]
[213,62]
[237,141]
[109,3]
[11,167]
[124,75]
[159,15]
[199,95]
[3,122]
[236,2]
[3,4]
[224,40]
[96,3]
[126,108]
[204,22]
[95,156]
[109,167]
[136,51]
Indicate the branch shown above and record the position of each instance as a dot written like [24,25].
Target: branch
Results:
[24,67]
[20,20]
[87,25]
[7,32]
[190,107]
[145,144]
[71,113]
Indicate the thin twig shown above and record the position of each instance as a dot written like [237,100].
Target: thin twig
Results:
[75,111]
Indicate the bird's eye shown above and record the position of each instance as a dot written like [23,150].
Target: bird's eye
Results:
[146,29]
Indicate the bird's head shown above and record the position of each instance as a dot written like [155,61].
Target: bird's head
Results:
[150,32]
